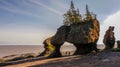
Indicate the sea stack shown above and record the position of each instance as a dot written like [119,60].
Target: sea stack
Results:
[82,31]
[109,38]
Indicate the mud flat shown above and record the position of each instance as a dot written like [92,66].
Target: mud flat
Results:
[101,59]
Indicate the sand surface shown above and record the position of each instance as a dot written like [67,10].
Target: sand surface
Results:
[102,59]
[6,50]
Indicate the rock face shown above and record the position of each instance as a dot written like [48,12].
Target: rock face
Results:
[84,36]
[118,44]
[48,47]
[109,38]
[82,32]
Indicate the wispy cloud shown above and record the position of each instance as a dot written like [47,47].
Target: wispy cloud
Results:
[60,4]
[47,7]
[14,9]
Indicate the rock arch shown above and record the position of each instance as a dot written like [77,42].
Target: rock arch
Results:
[67,49]
[84,36]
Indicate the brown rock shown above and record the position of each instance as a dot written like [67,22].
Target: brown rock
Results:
[109,38]
[118,43]
[82,32]
[84,36]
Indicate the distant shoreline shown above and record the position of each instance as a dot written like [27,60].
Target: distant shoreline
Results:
[6,50]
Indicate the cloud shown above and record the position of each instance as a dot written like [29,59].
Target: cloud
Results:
[47,7]
[14,9]
[60,4]
[112,20]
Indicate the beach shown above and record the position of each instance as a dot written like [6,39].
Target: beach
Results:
[6,50]
[102,59]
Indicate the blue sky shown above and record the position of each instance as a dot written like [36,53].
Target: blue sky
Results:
[29,22]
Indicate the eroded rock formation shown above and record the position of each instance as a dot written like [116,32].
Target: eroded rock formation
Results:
[48,47]
[109,38]
[82,32]
[118,44]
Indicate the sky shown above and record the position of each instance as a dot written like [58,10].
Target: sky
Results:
[30,22]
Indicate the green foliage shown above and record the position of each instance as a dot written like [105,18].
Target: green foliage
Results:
[116,49]
[51,48]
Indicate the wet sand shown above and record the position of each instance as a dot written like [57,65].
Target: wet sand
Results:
[102,59]
[6,50]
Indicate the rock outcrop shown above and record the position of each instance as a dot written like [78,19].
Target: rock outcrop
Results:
[118,44]
[109,38]
[84,36]
[82,32]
